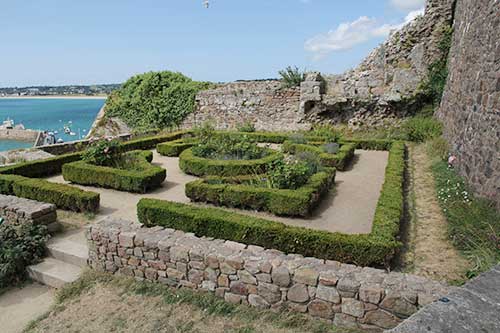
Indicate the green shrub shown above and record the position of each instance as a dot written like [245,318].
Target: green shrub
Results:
[290,175]
[291,77]
[135,175]
[328,132]
[198,166]
[63,196]
[151,142]
[103,153]
[421,129]
[20,246]
[227,147]
[154,99]
[340,160]
[247,127]
[176,147]
[245,192]
[438,147]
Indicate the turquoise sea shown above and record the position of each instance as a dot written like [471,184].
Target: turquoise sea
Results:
[51,115]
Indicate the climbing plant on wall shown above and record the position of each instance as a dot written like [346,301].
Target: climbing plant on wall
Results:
[154,99]
[433,86]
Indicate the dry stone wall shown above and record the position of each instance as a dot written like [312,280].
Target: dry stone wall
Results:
[344,294]
[470,108]
[264,103]
[16,210]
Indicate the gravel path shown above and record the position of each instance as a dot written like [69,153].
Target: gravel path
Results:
[349,208]
[18,306]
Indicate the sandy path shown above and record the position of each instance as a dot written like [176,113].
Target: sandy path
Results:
[19,306]
[349,208]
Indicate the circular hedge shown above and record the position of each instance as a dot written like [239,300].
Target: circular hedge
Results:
[199,166]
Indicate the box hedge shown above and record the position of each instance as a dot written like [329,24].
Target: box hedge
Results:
[41,168]
[339,160]
[176,147]
[199,166]
[269,137]
[63,196]
[140,178]
[374,249]
[151,142]
[238,192]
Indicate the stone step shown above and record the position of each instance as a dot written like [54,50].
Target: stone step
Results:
[70,247]
[53,272]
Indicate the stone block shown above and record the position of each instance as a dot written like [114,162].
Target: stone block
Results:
[298,293]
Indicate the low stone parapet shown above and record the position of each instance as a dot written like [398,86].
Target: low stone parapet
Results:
[16,210]
[346,295]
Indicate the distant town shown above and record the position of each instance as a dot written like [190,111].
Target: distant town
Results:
[91,90]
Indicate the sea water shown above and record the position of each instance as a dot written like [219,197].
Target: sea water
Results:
[49,115]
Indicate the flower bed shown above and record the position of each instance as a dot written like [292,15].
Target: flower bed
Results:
[241,192]
[200,166]
[176,147]
[374,249]
[338,160]
[139,176]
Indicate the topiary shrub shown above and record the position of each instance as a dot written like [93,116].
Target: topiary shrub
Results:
[176,147]
[20,246]
[103,152]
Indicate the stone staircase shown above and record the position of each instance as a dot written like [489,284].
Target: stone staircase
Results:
[68,254]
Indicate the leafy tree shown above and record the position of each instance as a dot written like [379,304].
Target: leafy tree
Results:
[154,99]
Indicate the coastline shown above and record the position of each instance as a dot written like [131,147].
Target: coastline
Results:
[55,97]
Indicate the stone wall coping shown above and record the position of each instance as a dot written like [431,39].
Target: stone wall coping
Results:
[19,210]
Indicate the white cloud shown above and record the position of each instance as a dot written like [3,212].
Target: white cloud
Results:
[408,4]
[349,34]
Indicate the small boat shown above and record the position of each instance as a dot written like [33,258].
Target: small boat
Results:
[67,130]
[72,133]
[60,140]
[56,132]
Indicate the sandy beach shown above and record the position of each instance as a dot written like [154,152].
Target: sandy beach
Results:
[55,97]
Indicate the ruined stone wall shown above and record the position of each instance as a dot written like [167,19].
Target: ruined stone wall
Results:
[470,108]
[346,295]
[264,103]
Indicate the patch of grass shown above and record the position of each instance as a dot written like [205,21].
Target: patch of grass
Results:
[474,226]
[206,302]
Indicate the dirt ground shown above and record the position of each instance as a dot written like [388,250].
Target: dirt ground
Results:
[430,253]
[109,307]
[348,208]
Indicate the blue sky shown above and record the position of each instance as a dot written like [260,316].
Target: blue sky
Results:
[55,42]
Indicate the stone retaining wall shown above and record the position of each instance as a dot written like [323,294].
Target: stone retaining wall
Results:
[16,210]
[345,294]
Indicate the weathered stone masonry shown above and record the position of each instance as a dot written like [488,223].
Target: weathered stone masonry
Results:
[16,210]
[264,103]
[345,294]
[470,108]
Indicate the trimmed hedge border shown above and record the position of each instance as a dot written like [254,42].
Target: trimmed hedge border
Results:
[41,168]
[200,166]
[230,192]
[339,160]
[269,137]
[150,177]
[374,249]
[175,148]
[63,196]
[151,142]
